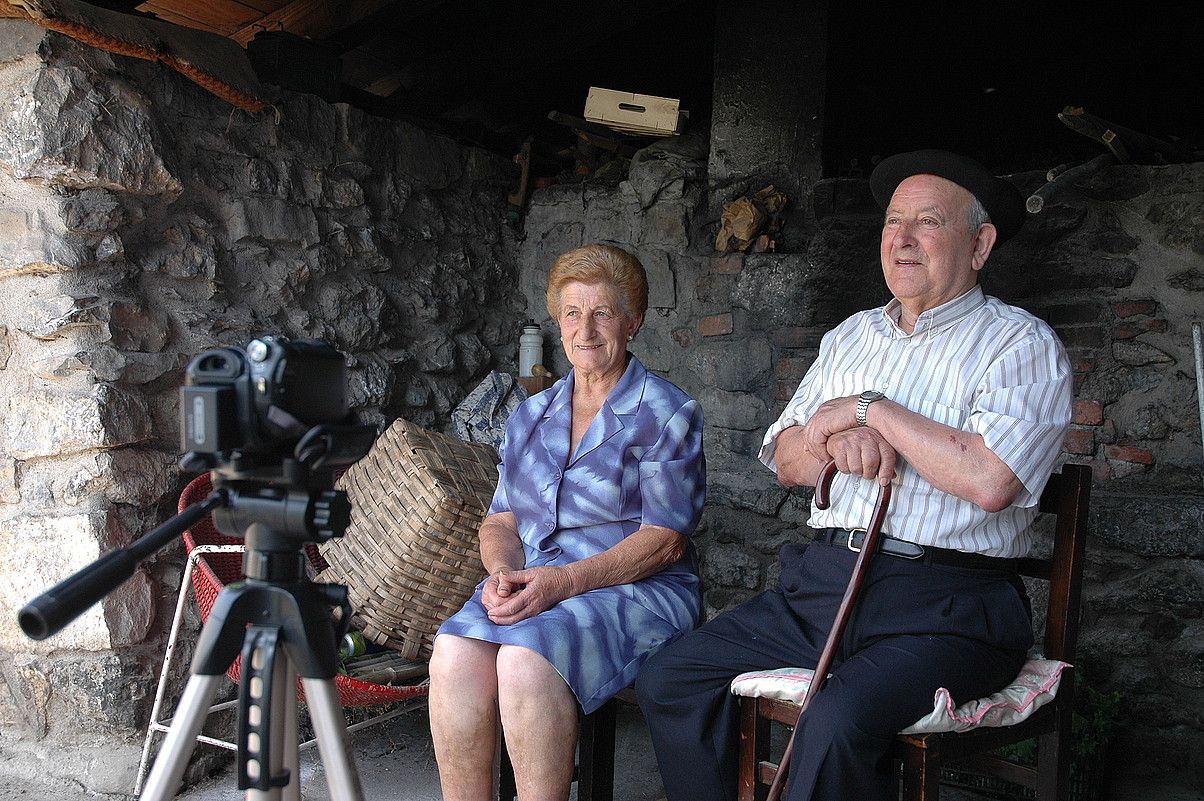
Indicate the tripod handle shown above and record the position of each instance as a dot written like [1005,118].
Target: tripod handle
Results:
[52,610]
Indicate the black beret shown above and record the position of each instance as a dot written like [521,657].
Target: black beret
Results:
[1000,198]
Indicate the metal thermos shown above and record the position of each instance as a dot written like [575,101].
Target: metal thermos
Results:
[530,349]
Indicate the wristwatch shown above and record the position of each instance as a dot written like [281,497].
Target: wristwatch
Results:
[863,403]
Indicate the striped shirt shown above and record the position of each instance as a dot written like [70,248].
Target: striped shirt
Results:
[975,364]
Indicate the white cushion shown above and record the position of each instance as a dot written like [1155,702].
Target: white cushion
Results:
[1036,685]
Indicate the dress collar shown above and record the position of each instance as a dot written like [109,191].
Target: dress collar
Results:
[942,316]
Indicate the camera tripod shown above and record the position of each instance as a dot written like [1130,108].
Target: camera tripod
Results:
[282,626]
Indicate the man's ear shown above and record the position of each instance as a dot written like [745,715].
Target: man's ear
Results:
[984,240]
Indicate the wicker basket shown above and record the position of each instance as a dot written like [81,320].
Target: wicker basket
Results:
[410,555]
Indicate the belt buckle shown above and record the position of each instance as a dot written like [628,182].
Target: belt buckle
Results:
[848,543]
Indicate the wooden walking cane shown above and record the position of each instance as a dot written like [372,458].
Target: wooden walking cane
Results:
[873,533]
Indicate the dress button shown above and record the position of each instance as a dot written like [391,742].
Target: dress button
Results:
[549,526]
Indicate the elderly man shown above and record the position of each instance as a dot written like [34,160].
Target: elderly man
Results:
[962,401]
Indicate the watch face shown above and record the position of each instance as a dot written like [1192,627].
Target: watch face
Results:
[872,395]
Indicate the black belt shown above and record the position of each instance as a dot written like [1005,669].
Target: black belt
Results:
[929,554]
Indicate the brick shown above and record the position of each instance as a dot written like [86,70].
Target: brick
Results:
[683,337]
[1132,308]
[1125,331]
[1129,453]
[1082,362]
[797,337]
[1100,472]
[715,325]
[785,390]
[727,265]
[1087,336]
[790,369]
[1080,442]
[1087,413]
[1136,327]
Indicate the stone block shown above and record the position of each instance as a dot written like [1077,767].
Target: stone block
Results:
[1138,354]
[730,566]
[37,552]
[1183,659]
[80,129]
[742,365]
[742,411]
[133,476]
[662,281]
[270,219]
[744,483]
[1149,525]
[730,264]
[666,225]
[57,316]
[45,423]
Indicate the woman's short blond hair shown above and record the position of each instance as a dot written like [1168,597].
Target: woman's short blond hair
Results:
[598,262]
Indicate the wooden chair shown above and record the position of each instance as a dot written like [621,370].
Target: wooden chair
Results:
[1066,496]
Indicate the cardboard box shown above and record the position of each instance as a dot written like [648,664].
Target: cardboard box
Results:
[633,113]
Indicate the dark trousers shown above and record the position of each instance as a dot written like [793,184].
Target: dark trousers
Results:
[916,627]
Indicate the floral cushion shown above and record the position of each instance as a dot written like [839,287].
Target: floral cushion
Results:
[1036,685]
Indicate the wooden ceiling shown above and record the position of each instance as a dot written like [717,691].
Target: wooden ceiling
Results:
[489,70]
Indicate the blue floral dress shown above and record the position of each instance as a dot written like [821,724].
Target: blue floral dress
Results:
[639,463]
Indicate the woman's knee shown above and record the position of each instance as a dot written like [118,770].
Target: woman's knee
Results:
[461,664]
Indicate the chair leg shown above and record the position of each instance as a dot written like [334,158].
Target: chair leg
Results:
[507,789]
[921,775]
[754,749]
[1053,757]
[596,754]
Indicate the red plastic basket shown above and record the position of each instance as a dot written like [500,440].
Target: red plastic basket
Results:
[214,571]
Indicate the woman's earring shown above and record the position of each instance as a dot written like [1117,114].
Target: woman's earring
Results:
[629,337]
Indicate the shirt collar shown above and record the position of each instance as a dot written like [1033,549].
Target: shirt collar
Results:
[935,319]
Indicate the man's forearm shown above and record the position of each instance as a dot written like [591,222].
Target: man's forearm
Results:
[954,461]
[797,467]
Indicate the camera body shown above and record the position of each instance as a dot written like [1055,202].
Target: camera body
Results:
[260,401]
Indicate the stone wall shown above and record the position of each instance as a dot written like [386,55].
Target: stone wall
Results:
[1114,265]
[141,221]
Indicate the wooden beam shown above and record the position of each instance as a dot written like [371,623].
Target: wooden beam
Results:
[315,19]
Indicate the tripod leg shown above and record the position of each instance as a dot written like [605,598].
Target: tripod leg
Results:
[282,750]
[330,728]
[181,738]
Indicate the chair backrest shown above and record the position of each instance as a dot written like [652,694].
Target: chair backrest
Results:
[1066,496]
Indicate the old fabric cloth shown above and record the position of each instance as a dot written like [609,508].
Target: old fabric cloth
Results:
[975,364]
[640,462]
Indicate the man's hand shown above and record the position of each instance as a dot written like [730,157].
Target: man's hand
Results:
[862,451]
[832,417]
[519,594]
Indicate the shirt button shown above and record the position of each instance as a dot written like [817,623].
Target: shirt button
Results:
[556,476]
[549,526]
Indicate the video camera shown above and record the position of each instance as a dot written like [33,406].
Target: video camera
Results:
[275,402]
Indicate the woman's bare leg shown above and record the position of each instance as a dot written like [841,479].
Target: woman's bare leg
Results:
[539,717]
[463,709]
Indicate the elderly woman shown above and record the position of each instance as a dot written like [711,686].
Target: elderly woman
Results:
[590,570]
